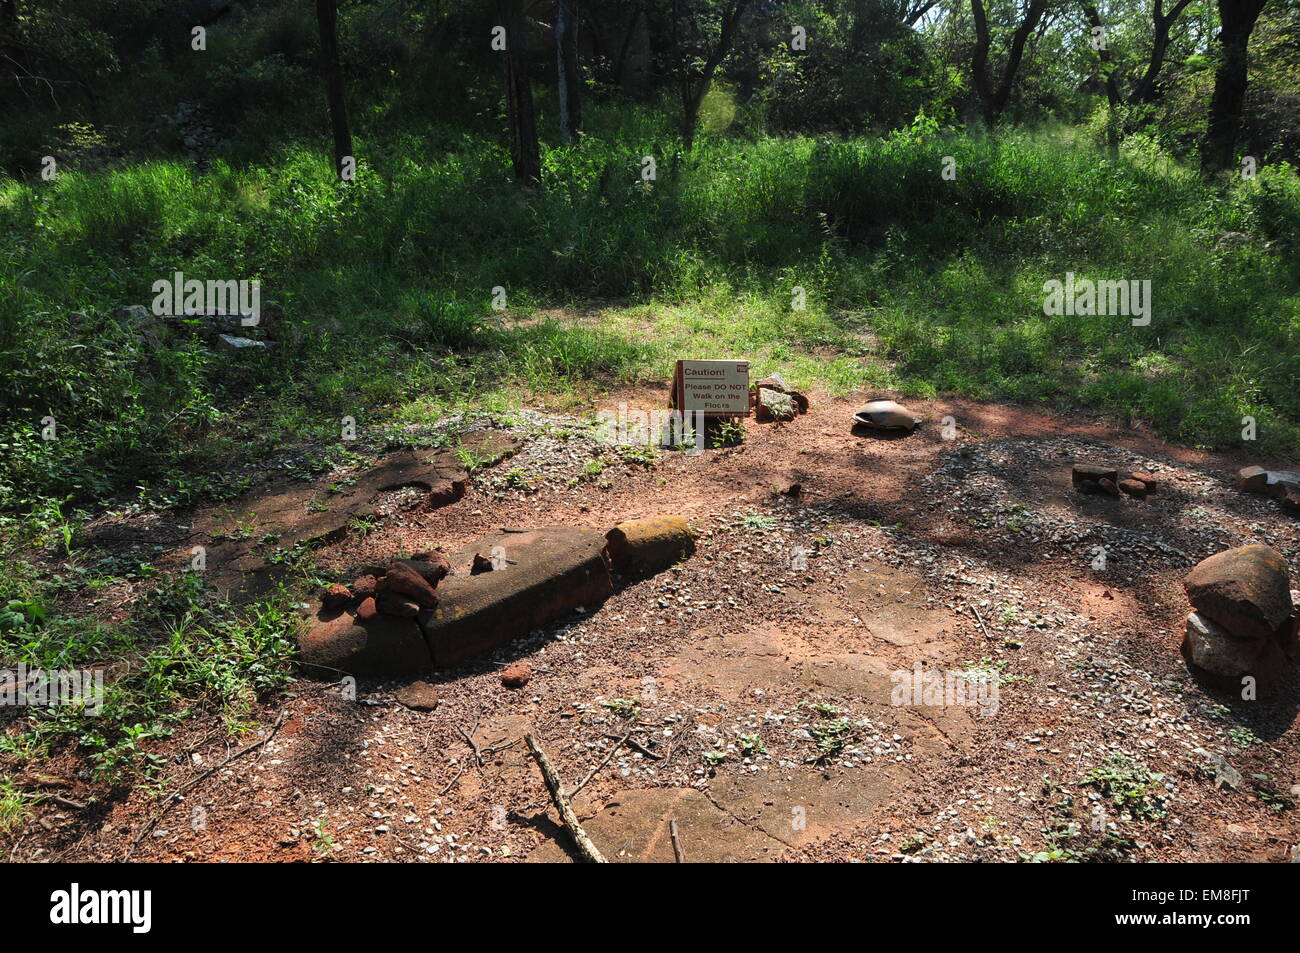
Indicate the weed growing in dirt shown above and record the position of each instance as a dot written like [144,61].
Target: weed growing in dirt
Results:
[184,651]
[753,522]
[1130,786]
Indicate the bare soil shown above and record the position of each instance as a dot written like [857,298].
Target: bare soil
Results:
[971,556]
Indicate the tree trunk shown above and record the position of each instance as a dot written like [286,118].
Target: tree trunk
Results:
[524,152]
[569,84]
[979,61]
[1236,22]
[995,101]
[327,17]
[1145,91]
[693,93]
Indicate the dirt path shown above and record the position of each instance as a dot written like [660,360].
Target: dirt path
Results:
[970,556]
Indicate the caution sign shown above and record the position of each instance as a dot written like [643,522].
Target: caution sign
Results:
[712,388]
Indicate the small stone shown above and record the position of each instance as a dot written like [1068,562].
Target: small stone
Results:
[336,596]
[367,610]
[480,564]
[517,675]
[418,696]
[404,580]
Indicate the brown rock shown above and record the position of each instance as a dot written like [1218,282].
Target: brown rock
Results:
[431,567]
[551,571]
[1109,486]
[1245,590]
[367,610]
[336,596]
[405,581]
[1252,479]
[517,675]
[1087,475]
[396,605]
[384,646]
[646,546]
[1135,488]
[480,564]
[418,696]
[1291,501]
[365,587]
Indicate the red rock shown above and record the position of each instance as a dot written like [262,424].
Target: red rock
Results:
[549,571]
[480,564]
[365,587]
[1084,474]
[517,675]
[1252,479]
[396,605]
[336,596]
[405,581]
[1135,488]
[367,610]
[384,646]
[1109,486]
[1144,477]
[1291,501]
[431,567]
[1245,590]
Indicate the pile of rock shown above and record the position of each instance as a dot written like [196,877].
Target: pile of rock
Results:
[1282,485]
[775,401]
[1244,620]
[402,589]
[1100,479]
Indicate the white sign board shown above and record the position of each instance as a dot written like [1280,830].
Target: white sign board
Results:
[716,388]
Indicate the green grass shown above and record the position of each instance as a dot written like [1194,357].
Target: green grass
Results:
[183,653]
[910,281]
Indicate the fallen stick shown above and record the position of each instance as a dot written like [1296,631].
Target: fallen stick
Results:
[176,795]
[604,761]
[586,848]
[677,842]
[979,618]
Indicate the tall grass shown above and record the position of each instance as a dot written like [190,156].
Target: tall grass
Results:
[387,283]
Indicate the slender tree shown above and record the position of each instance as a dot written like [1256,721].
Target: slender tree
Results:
[327,18]
[1237,20]
[522,118]
[695,85]
[569,85]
